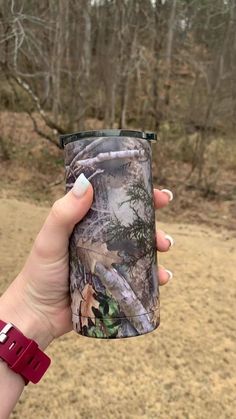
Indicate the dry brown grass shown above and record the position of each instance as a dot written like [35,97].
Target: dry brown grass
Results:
[185,369]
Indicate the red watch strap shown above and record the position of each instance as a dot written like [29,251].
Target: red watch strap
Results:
[22,354]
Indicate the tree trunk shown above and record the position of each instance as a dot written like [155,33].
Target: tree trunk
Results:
[169,49]
[204,138]
[157,46]
[87,39]
[58,11]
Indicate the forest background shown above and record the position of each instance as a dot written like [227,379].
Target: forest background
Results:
[167,66]
[162,65]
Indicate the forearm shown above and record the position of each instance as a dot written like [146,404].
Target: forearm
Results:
[13,309]
[11,385]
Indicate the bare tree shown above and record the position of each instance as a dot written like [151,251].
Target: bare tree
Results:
[169,49]
[122,62]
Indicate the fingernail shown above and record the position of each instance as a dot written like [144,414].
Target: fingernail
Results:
[80,186]
[169,274]
[170,239]
[169,193]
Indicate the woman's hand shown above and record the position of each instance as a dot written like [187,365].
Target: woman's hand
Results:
[38,300]
[164,241]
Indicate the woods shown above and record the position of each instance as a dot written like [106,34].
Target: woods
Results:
[126,62]
[162,65]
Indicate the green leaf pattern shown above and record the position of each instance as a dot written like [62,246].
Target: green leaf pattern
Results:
[107,323]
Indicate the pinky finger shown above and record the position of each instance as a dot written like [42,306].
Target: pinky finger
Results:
[164,275]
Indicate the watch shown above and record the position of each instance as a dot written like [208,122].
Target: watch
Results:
[22,354]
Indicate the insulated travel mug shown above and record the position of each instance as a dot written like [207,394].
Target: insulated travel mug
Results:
[113,266]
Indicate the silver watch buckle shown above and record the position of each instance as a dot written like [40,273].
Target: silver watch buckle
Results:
[4,332]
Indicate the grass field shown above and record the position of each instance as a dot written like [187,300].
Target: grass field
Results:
[185,369]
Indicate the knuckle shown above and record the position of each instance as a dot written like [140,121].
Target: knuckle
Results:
[58,210]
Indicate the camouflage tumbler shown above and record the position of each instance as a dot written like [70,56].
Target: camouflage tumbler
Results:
[113,266]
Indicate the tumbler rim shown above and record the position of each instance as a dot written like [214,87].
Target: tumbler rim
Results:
[68,138]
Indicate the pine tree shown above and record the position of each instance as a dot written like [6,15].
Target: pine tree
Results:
[140,231]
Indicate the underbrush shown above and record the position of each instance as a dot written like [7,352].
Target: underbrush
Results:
[33,169]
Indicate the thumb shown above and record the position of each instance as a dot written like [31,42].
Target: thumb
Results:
[52,240]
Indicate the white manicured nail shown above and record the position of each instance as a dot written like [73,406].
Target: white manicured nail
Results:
[169,193]
[169,274]
[80,186]
[170,239]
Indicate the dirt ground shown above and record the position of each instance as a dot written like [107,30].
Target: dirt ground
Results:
[185,369]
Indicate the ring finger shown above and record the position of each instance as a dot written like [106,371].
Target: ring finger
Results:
[164,275]
[164,241]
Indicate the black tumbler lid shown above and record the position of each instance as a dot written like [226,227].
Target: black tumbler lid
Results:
[68,138]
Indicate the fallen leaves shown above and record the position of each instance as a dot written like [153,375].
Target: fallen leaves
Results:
[83,304]
[90,253]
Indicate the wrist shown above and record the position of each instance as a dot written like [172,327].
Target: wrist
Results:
[15,308]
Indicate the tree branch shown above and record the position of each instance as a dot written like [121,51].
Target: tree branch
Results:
[42,133]
[86,149]
[25,86]
[126,298]
[124,154]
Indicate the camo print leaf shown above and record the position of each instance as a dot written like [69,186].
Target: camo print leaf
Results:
[86,301]
[90,253]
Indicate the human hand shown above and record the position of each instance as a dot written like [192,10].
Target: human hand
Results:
[38,300]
